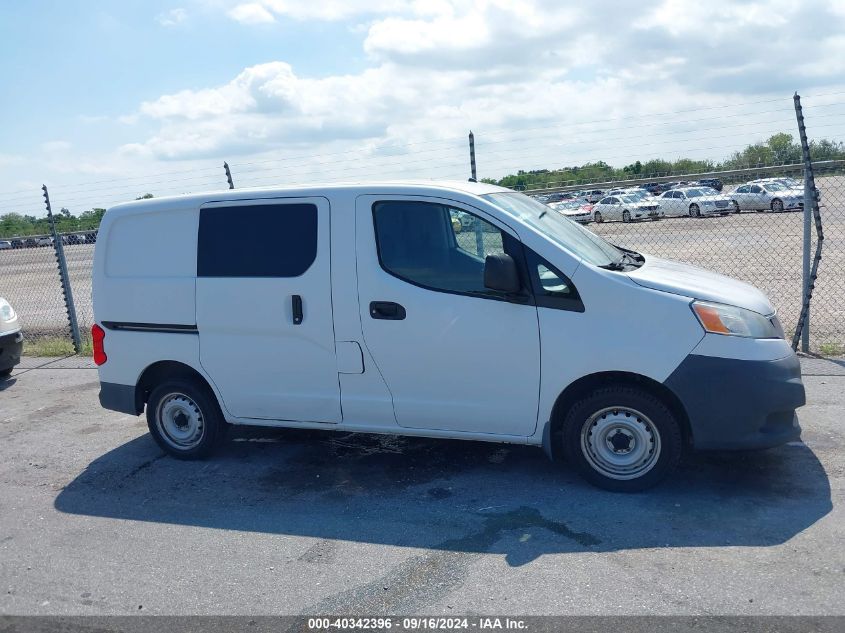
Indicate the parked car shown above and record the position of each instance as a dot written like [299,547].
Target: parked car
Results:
[17,243]
[654,188]
[91,237]
[30,242]
[790,183]
[635,192]
[44,240]
[712,183]
[73,238]
[560,196]
[11,339]
[577,210]
[626,209]
[5,245]
[592,195]
[634,347]
[767,196]
[694,202]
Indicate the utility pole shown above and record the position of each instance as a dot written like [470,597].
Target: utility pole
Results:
[228,175]
[474,177]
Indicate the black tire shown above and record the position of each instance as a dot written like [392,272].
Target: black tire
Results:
[694,211]
[777,205]
[616,400]
[597,217]
[210,418]
[736,206]
[5,373]
[626,216]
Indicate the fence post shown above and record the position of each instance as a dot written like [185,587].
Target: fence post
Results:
[811,212]
[228,175]
[474,177]
[64,278]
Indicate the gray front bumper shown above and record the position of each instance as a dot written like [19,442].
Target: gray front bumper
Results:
[740,404]
[11,346]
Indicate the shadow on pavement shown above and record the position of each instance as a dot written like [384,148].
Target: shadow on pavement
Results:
[450,495]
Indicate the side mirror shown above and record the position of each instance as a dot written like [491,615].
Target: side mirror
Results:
[500,274]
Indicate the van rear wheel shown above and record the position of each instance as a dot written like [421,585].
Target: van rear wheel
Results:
[622,438]
[184,419]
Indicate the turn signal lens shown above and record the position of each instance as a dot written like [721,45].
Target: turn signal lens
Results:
[710,319]
[718,318]
[98,334]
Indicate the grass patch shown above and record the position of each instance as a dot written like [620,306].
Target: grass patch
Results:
[53,346]
[832,349]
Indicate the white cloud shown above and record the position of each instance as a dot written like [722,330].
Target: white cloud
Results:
[330,10]
[7,160]
[251,13]
[173,17]
[55,147]
[541,85]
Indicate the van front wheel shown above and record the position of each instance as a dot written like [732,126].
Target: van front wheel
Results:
[184,419]
[622,438]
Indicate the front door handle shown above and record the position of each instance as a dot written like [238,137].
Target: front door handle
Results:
[296,309]
[387,310]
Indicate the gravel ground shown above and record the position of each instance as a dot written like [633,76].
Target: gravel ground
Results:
[95,520]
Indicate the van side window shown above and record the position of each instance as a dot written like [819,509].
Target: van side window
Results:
[227,245]
[437,246]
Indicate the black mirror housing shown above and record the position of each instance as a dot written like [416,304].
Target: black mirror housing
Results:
[500,274]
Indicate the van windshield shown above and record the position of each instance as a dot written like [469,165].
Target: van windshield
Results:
[568,233]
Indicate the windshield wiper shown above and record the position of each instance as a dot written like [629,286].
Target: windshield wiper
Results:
[620,265]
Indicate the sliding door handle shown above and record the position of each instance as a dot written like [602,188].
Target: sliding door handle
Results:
[387,310]
[296,308]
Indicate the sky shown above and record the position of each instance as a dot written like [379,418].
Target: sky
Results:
[105,101]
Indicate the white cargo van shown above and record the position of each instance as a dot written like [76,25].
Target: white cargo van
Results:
[370,308]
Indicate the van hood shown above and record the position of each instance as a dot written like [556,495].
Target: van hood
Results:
[698,283]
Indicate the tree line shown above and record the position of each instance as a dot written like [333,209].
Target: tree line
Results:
[779,149]
[22,225]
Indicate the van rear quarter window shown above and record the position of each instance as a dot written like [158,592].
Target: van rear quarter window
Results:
[264,240]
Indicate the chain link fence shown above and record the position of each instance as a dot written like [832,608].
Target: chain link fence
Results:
[751,229]
[755,244]
[754,230]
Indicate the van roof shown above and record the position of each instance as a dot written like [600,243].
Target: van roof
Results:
[420,187]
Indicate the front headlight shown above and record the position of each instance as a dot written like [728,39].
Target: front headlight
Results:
[718,318]
[7,313]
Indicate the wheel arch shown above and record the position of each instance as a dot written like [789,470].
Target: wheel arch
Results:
[581,387]
[154,374]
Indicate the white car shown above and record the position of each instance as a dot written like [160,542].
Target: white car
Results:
[44,241]
[695,202]
[5,245]
[11,339]
[274,337]
[626,208]
[577,210]
[635,192]
[768,196]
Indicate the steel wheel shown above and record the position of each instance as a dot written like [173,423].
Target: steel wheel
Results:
[626,216]
[180,421]
[620,443]
[694,211]
[777,205]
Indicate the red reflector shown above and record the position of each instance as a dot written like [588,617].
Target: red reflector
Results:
[97,336]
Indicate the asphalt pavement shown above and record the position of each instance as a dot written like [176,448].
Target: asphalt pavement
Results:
[95,520]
